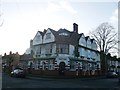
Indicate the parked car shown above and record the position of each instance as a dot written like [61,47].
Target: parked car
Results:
[18,72]
[118,73]
[112,75]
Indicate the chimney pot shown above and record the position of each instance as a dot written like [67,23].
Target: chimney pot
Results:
[75,27]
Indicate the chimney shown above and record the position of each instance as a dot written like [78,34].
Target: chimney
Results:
[44,31]
[31,43]
[75,27]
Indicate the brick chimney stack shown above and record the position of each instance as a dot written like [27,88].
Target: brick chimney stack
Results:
[31,43]
[75,27]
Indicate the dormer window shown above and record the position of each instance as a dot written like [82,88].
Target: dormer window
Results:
[64,34]
[48,35]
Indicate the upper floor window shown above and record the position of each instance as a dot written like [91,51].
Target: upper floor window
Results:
[38,50]
[63,48]
[48,48]
[48,35]
[82,52]
[88,54]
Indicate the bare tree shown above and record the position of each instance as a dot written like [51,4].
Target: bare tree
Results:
[106,37]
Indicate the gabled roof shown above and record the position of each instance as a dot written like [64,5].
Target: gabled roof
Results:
[92,40]
[86,38]
[61,38]
[74,38]
[63,30]
[53,31]
[81,34]
[40,32]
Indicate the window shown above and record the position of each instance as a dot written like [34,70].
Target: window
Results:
[48,35]
[63,49]
[65,34]
[82,52]
[82,41]
[72,65]
[88,54]
[48,48]
[51,67]
[37,38]
[84,66]
[38,50]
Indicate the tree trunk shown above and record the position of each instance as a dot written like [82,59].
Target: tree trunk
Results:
[103,63]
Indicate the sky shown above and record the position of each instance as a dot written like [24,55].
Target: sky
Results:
[23,18]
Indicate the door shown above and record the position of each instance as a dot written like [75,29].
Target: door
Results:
[62,68]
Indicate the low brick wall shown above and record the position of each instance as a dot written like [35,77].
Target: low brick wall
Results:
[50,72]
[43,72]
[70,73]
[36,72]
[56,73]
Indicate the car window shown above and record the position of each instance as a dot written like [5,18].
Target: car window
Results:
[114,73]
[15,70]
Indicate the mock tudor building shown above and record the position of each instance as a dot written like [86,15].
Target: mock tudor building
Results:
[64,49]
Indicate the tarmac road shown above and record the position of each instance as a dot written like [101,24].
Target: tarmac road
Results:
[31,82]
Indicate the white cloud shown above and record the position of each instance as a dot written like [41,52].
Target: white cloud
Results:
[59,6]
[53,7]
[66,5]
[114,17]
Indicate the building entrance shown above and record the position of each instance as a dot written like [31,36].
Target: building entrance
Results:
[62,68]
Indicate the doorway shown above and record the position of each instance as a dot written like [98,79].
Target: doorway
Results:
[62,68]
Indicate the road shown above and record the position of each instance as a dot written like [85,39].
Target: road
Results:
[10,82]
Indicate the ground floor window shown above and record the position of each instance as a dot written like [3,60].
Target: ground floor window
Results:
[72,65]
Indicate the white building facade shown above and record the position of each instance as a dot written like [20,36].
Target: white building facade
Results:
[53,50]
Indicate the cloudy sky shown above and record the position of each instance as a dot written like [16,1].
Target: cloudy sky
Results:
[23,18]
